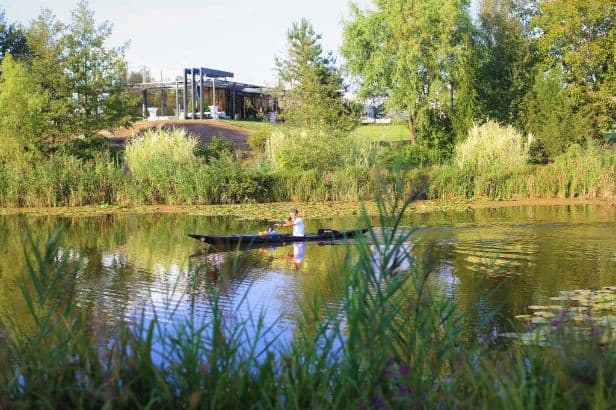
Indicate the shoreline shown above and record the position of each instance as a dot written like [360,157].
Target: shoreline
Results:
[270,210]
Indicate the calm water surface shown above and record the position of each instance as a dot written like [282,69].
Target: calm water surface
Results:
[508,258]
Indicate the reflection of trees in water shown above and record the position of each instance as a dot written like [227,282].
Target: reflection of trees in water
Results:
[537,250]
[123,256]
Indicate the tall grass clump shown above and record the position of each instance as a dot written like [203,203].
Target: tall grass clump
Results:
[315,164]
[318,149]
[585,172]
[492,145]
[493,162]
[61,180]
[163,167]
[482,164]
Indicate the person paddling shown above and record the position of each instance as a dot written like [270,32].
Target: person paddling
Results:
[295,221]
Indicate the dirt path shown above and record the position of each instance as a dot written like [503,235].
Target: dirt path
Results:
[204,130]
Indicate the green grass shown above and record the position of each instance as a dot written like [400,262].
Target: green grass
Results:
[374,132]
[383,132]
[251,125]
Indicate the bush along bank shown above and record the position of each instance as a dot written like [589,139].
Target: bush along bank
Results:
[170,167]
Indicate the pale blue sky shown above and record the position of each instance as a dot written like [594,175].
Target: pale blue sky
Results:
[241,36]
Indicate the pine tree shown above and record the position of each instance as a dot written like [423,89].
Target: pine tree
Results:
[310,86]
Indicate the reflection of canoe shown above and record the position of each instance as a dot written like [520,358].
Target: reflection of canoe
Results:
[322,235]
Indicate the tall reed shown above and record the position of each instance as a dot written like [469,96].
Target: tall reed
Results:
[163,167]
[61,180]
[581,172]
[492,145]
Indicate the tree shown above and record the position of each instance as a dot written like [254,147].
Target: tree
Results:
[143,76]
[47,63]
[310,86]
[578,38]
[96,75]
[22,123]
[553,116]
[12,39]
[84,79]
[508,61]
[418,54]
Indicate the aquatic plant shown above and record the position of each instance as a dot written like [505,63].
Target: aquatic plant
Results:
[581,313]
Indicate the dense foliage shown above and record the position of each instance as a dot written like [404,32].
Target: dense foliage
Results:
[77,80]
[416,54]
[310,86]
[544,66]
[12,38]
[473,94]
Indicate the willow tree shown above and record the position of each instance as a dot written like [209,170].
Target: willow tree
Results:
[416,53]
[310,86]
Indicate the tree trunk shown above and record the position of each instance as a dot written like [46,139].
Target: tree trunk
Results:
[412,131]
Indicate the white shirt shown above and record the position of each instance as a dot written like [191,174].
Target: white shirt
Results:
[298,227]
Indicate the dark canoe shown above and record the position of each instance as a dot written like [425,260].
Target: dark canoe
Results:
[323,235]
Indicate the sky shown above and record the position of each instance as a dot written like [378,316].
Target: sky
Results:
[241,36]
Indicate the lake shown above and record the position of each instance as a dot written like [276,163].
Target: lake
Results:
[505,258]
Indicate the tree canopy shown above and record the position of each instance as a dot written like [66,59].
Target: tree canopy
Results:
[414,53]
[578,37]
[442,71]
[310,86]
[82,78]
[12,38]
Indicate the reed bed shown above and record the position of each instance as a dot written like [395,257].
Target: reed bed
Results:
[579,173]
[161,168]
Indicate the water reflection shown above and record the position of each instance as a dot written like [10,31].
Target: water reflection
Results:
[509,258]
[299,248]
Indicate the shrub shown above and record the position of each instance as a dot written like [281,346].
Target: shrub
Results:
[405,155]
[86,148]
[227,181]
[217,147]
[316,149]
[163,166]
[490,145]
[258,140]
